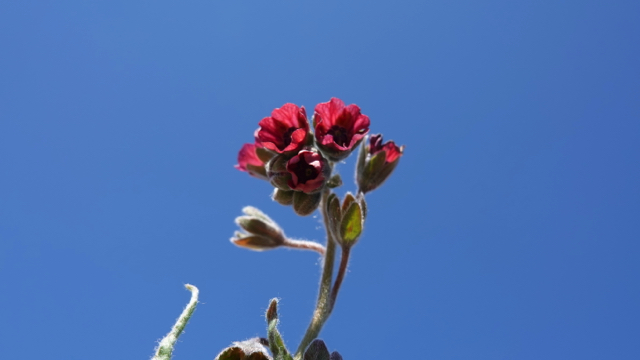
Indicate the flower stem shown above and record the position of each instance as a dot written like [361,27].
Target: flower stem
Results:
[323,305]
[304,245]
[342,270]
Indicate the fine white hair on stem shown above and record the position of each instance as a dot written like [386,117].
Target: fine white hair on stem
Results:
[165,347]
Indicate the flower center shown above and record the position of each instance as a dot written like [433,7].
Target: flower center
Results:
[305,172]
[286,137]
[340,135]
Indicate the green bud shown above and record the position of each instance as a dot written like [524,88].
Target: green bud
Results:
[305,204]
[351,225]
[258,226]
[282,196]
[276,343]
[262,232]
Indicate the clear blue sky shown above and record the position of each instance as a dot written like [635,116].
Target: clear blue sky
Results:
[510,229]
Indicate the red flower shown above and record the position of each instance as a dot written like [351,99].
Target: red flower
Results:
[376,145]
[249,161]
[285,130]
[309,171]
[339,128]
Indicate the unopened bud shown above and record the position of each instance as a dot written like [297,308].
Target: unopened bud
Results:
[262,232]
[305,204]
[376,162]
[351,225]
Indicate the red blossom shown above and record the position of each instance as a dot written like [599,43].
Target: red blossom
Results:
[376,162]
[339,128]
[249,161]
[285,130]
[308,170]
[392,150]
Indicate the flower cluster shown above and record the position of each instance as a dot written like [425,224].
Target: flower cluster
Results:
[299,162]
[298,159]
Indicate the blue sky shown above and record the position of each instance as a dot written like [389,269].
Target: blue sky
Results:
[509,231]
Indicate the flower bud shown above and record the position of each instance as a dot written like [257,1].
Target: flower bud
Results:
[351,225]
[262,233]
[305,204]
[376,162]
[346,221]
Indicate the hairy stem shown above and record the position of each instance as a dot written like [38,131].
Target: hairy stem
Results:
[165,347]
[304,245]
[342,270]
[323,306]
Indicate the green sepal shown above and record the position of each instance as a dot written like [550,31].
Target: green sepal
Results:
[264,154]
[363,204]
[256,242]
[305,204]
[276,344]
[258,171]
[260,227]
[317,350]
[254,211]
[281,181]
[376,163]
[334,214]
[283,197]
[351,225]
[348,199]
[277,172]
[362,157]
